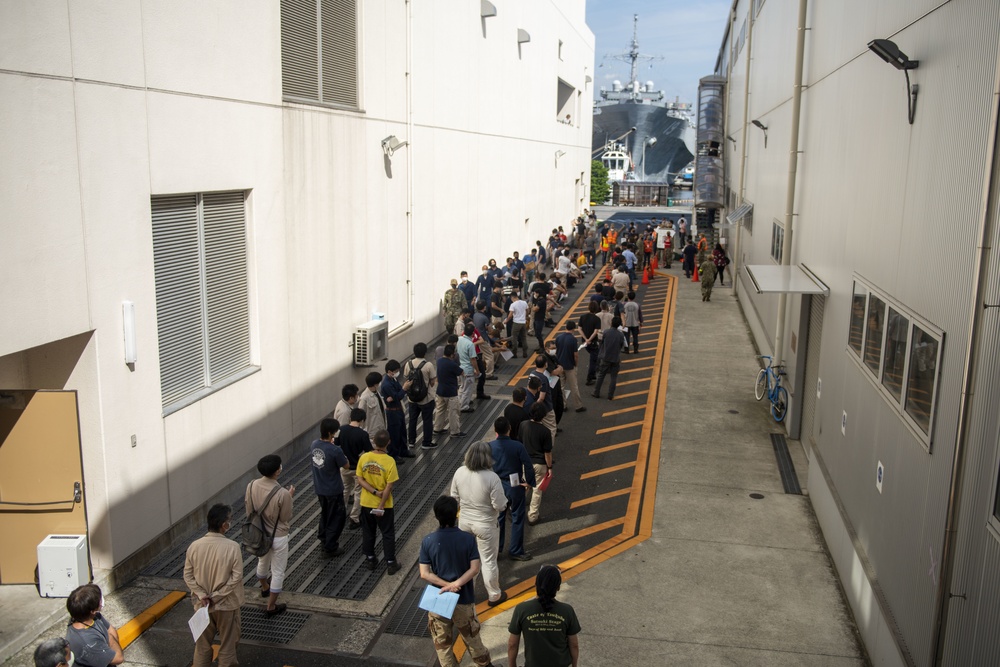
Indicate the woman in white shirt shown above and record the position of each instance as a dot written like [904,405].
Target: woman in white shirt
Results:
[481,499]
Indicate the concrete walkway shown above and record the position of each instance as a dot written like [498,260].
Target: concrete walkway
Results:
[725,579]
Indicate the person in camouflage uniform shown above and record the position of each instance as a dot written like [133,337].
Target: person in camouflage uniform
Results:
[707,277]
[454,302]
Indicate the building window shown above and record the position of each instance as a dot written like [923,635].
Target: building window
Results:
[202,293]
[319,51]
[901,353]
[777,241]
[858,301]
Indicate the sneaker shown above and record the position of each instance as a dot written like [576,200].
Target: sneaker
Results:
[371,563]
[500,600]
[429,445]
[392,567]
[521,556]
[353,525]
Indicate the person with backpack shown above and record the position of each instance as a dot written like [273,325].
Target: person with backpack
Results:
[273,503]
[422,377]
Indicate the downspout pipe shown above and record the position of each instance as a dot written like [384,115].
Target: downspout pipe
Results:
[988,210]
[793,165]
[735,253]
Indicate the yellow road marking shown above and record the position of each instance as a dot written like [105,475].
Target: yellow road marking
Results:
[605,471]
[609,448]
[624,410]
[618,428]
[143,621]
[569,537]
[632,395]
[597,499]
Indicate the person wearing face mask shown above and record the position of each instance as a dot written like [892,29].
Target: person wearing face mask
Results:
[468,288]
[91,638]
[213,572]
[484,285]
[53,653]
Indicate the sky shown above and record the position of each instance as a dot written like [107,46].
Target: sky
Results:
[686,32]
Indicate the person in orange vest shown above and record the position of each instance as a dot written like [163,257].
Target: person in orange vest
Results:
[647,248]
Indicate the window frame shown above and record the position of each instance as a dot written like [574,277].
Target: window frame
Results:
[877,376]
[215,274]
[318,61]
[777,240]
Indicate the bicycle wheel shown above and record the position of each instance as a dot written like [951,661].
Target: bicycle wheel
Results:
[760,387]
[779,404]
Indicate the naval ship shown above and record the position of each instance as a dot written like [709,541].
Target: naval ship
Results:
[637,134]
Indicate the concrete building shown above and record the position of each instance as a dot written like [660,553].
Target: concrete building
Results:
[863,197]
[204,200]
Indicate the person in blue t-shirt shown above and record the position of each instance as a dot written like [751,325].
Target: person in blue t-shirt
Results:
[328,460]
[450,560]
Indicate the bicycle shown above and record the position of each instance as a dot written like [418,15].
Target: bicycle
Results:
[769,383]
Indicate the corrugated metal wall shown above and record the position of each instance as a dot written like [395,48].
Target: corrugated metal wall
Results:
[899,205]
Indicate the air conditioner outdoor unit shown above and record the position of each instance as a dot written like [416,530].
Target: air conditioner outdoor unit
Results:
[371,340]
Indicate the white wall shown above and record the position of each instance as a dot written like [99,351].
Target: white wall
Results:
[102,107]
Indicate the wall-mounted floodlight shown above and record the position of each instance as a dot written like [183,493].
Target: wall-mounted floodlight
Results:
[487,9]
[522,36]
[763,127]
[889,52]
[128,328]
[391,144]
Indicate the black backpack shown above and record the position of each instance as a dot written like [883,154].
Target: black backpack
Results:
[418,385]
[255,538]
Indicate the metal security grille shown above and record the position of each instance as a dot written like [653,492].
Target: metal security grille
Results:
[202,290]
[319,51]
[255,625]
[409,619]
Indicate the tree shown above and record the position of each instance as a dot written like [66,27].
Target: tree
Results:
[600,190]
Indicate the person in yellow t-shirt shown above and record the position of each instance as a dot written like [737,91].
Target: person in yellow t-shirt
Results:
[377,474]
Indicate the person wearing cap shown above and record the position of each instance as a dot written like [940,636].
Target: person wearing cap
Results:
[549,627]
[452,304]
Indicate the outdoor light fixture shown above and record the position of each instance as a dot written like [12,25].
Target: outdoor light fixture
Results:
[128,327]
[487,9]
[889,52]
[391,144]
[763,127]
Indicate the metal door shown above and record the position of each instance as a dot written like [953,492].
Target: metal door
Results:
[41,477]
[807,433]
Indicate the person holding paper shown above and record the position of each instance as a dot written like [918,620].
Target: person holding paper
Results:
[213,571]
[480,494]
[512,465]
[450,560]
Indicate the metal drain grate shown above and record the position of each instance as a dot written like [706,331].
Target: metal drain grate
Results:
[409,620]
[785,466]
[281,629]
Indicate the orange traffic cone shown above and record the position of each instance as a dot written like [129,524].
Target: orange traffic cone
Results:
[695,278]
[645,276]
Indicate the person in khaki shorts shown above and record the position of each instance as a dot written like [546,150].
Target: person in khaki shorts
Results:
[450,560]
[213,572]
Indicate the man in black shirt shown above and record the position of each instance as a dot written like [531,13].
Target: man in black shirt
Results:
[610,356]
[354,441]
[537,440]
[590,326]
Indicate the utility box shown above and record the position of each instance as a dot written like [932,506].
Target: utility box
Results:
[62,565]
